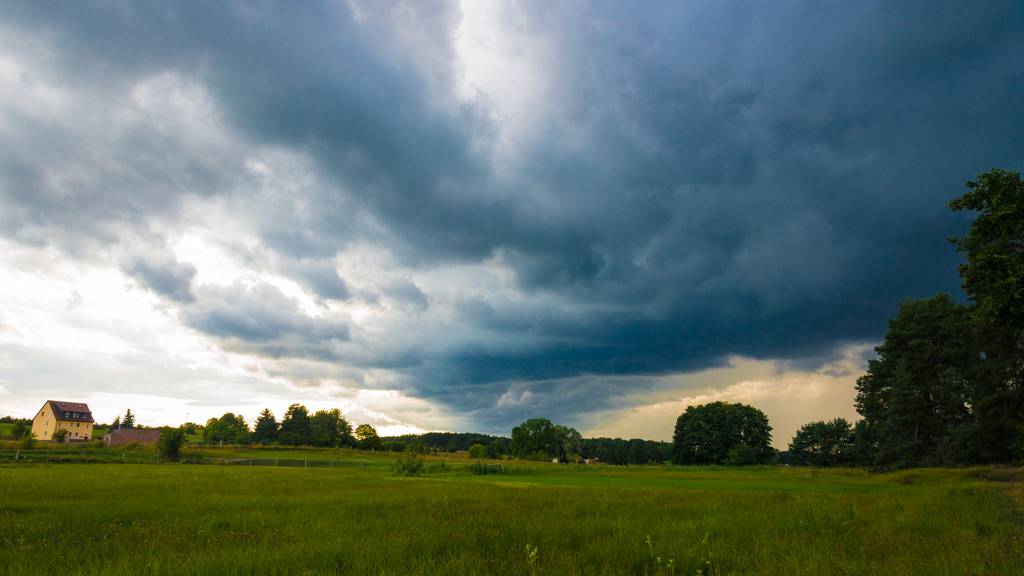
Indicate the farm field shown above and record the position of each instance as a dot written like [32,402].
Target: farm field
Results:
[204,519]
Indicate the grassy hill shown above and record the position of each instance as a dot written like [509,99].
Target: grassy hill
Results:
[534,518]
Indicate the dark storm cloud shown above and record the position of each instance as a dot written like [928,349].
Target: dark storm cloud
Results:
[707,180]
[260,319]
[166,277]
[321,277]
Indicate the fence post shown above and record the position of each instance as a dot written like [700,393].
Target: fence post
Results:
[305,463]
[17,455]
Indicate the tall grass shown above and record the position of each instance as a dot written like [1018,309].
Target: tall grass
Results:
[538,519]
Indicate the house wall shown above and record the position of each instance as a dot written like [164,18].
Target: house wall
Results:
[46,423]
[77,430]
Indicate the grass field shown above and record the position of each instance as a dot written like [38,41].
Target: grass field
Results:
[192,519]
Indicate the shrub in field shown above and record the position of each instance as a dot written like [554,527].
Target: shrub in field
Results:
[20,430]
[478,451]
[409,464]
[60,436]
[170,443]
[28,441]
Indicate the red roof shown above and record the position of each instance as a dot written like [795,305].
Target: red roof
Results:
[59,408]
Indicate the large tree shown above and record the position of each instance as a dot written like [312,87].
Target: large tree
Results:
[539,437]
[706,433]
[330,428]
[228,429]
[823,443]
[536,436]
[266,428]
[916,396]
[993,278]
[295,429]
[367,437]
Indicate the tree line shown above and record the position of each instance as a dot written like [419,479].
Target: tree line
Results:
[324,428]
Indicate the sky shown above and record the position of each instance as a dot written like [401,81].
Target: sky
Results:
[456,216]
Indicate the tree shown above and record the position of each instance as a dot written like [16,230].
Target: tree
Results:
[478,451]
[116,425]
[266,428]
[19,430]
[129,420]
[367,437]
[228,429]
[823,443]
[706,433]
[916,396]
[536,435]
[330,428]
[569,443]
[171,440]
[295,426]
[993,279]
[60,436]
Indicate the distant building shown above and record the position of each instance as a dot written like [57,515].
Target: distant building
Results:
[74,417]
[131,436]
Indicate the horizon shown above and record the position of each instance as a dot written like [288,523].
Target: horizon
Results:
[456,216]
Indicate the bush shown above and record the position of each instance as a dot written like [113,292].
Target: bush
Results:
[28,441]
[409,464]
[170,443]
[60,436]
[478,451]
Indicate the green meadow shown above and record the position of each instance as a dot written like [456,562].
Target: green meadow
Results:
[529,519]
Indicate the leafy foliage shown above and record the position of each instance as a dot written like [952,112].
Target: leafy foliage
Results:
[28,441]
[171,440]
[539,437]
[228,429]
[624,452]
[823,443]
[478,451]
[706,433]
[330,428]
[916,393]
[409,464]
[993,278]
[367,437]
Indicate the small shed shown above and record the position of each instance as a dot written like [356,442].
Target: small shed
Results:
[125,436]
